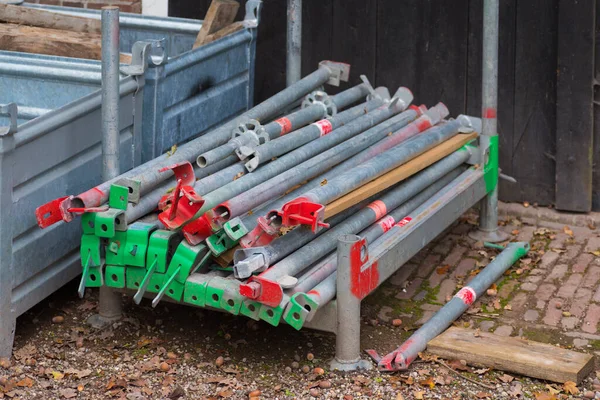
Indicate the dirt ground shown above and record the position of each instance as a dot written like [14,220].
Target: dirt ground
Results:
[177,351]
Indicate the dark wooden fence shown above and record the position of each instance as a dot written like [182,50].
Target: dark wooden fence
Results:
[547,70]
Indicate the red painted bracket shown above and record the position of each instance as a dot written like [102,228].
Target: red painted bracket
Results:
[198,230]
[49,213]
[262,290]
[301,211]
[186,203]
[261,235]
[183,171]
[384,364]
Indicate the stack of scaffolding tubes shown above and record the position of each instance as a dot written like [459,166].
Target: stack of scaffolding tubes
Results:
[239,219]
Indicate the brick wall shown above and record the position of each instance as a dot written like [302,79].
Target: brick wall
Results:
[134,6]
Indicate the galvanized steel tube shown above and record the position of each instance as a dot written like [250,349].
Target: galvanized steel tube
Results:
[294,41]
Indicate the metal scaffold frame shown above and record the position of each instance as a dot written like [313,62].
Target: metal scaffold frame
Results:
[362,267]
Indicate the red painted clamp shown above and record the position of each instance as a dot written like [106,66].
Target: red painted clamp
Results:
[198,230]
[301,211]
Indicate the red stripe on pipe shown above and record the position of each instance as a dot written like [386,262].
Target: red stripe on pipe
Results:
[286,125]
[378,208]
[386,223]
[404,221]
[467,295]
[324,126]
[489,113]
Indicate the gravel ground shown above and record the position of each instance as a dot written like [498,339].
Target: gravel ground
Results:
[181,352]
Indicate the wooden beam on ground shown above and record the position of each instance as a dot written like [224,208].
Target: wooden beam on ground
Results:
[47,19]
[510,354]
[220,14]
[53,42]
[399,174]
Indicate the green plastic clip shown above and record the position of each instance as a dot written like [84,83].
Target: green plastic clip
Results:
[195,289]
[118,196]
[490,171]
[215,290]
[136,246]
[88,223]
[161,246]
[91,262]
[231,300]
[110,221]
[115,250]
[300,307]
[115,276]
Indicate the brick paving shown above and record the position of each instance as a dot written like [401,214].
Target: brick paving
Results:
[552,295]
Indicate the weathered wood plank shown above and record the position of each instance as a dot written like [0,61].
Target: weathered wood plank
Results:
[524,357]
[228,30]
[398,174]
[54,42]
[46,19]
[221,13]
[574,104]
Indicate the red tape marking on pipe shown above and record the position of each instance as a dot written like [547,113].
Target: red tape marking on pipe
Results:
[324,127]
[286,125]
[386,223]
[489,113]
[362,281]
[467,295]
[378,208]
[405,221]
[423,123]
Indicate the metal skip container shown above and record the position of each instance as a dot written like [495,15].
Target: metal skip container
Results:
[187,91]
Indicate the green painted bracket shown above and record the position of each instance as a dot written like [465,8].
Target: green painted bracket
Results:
[490,171]
[110,221]
[144,280]
[272,315]
[136,247]
[134,277]
[232,300]
[226,238]
[118,197]
[195,289]
[299,308]
[88,223]
[216,289]
[161,246]
[250,309]
[115,276]
[115,250]
[90,251]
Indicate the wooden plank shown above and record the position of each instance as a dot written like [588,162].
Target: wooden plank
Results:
[399,174]
[574,104]
[228,30]
[220,14]
[46,19]
[524,357]
[54,42]
[535,100]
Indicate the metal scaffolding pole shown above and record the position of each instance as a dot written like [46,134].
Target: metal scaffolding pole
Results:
[294,41]
[488,212]
[109,306]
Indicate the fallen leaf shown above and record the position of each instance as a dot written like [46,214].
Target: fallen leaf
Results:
[481,371]
[442,270]
[515,232]
[508,307]
[86,306]
[568,231]
[418,395]
[177,392]
[409,381]
[557,250]
[496,304]
[225,393]
[399,396]
[477,333]
[507,378]
[79,374]
[172,151]
[483,395]
[428,382]
[458,366]
[440,380]
[25,382]
[544,396]
[57,375]
[552,389]
[596,253]
[570,387]
[324,182]
[68,393]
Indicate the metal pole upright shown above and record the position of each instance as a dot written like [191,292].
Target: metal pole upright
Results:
[294,41]
[110,301]
[488,213]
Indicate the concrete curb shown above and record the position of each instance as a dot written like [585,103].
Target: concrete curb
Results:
[548,215]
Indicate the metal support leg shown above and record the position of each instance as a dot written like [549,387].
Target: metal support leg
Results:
[488,213]
[347,345]
[294,41]
[110,301]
